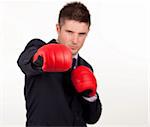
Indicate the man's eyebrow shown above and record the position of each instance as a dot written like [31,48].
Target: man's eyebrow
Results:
[82,33]
[68,30]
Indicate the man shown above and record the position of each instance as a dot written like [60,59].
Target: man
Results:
[60,87]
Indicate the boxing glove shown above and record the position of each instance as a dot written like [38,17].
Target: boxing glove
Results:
[84,81]
[54,57]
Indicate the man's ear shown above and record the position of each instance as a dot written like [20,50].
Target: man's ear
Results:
[88,30]
[58,28]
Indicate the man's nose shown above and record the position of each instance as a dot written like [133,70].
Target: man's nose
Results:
[75,39]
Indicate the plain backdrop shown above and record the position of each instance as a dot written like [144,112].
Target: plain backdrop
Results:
[117,47]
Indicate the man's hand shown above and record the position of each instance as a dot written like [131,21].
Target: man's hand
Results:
[54,57]
[84,81]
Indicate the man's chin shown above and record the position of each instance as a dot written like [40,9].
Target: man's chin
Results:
[74,51]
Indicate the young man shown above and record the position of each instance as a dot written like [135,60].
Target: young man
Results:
[60,87]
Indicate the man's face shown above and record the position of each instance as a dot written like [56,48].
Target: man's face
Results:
[72,34]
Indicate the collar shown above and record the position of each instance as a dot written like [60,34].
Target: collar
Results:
[75,56]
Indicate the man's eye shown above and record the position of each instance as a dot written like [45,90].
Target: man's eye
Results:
[82,34]
[69,31]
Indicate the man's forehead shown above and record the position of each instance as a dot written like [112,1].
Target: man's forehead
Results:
[75,26]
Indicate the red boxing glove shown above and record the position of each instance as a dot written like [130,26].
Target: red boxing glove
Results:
[56,57]
[84,81]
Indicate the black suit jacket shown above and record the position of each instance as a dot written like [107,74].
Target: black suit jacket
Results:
[51,99]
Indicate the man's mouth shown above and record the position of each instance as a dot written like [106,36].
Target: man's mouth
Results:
[73,47]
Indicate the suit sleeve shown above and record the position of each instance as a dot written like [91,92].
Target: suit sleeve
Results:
[25,59]
[91,110]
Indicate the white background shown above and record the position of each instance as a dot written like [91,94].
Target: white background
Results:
[117,47]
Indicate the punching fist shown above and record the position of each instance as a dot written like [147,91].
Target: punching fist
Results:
[54,57]
[84,81]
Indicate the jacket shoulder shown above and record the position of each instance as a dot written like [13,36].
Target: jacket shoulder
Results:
[84,62]
[35,42]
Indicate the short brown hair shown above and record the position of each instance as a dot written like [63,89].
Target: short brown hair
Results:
[74,11]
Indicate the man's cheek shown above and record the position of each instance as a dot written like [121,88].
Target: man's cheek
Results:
[65,39]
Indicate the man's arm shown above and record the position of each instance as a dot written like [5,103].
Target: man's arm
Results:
[39,57]
[91,110]
[25,59]
[85,84]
